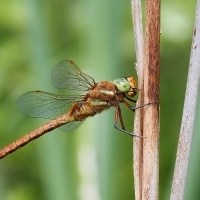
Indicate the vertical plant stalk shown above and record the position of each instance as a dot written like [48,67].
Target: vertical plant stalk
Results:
[189,111]
[146,151]
[151,125]
[137,142]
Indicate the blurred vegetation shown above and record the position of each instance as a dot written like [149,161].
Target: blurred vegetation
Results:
[94,162]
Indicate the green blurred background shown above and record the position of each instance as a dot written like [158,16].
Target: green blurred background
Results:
[95,161]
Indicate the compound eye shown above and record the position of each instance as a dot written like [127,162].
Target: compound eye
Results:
[122,84]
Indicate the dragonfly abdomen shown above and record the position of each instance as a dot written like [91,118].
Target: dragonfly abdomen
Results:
[49,126]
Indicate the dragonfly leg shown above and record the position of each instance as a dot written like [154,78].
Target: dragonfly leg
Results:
[146,104]
[131,100]
[129,106]
[118,115]
[133,109]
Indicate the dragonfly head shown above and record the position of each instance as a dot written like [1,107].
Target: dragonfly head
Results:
[133,90]
[126,85]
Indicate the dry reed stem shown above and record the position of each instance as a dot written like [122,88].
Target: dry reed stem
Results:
[146,151]
[139,48]
[188,119]
[151,125]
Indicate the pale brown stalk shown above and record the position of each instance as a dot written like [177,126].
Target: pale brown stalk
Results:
[138,142]
[188,118]
[147,124]
[151,125]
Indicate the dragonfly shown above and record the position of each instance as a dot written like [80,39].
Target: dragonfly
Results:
[69,111]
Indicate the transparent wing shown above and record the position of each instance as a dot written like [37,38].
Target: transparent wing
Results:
[67,75]
[71,126]
[46,105]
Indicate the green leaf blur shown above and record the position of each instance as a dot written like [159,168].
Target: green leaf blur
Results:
[95,161]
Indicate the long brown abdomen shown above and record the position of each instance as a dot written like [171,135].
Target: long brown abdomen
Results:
[49,126]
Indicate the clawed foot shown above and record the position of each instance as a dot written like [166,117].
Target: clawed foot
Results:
[144,105]
[127,132]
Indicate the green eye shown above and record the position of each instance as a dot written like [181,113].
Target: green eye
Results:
[122,84]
